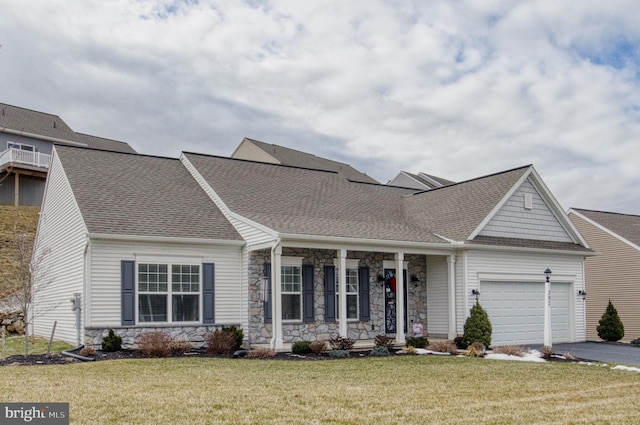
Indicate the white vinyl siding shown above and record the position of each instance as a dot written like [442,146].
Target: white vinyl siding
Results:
[105,276]
[61,231]
[488,266]
[513,220]
[437,295]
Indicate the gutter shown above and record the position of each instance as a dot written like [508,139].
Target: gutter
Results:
[167,239]
[41,137]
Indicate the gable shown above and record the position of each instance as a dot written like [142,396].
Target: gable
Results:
[535,221]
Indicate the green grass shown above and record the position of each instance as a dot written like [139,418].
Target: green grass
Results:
[15,345]
[396,390]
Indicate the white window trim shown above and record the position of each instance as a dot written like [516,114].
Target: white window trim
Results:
[169,293]
[351,264]
[293,262]
[18,145]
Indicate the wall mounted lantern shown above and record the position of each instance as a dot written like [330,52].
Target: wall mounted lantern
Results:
[415,280]
[582,294]
[475,293]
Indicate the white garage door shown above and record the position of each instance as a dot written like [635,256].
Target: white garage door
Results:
[516,311]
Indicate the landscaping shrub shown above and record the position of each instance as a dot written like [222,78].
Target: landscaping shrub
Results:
[301,347]
[459,341]
[411,350]
[610,327]
[341,343]
[338,354]
[111,342]
[219,342]
[511,350]
[546,352]
[443,347]
[261,353]
[477,328]
[155,344]
[384,341]
[180,346]
[88,352]
[570,356]
[238,336]
[318,347]
[476,349]
[635,341]
[417,342]
[379,351]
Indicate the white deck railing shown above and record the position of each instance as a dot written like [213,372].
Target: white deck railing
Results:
[36,159]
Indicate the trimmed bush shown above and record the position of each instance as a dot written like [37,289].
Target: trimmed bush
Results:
[301,347]
[155,344]
[476,350]
[238,336]
[379,351]
[635,341]
[546,352]
[411,350]
[443,347]
[318,347]
[261,353]
[341,343]
[88,351]
[219,342]
[417,342]
[510,350]
[384,341]
[610,327]
[111,342]
[180,346]
[477,328]
[338,354]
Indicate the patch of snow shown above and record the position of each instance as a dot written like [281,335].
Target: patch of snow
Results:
[532,356]
[631,369]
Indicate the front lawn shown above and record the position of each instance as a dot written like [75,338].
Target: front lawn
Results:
[15,345]
[402,390]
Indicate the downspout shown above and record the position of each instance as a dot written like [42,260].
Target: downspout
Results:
[73,353]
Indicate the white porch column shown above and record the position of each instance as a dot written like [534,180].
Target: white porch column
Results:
[547,312]
[451,261]
[400,313]
[342,293]
[276,301]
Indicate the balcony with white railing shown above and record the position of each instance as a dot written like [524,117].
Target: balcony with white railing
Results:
[13,157]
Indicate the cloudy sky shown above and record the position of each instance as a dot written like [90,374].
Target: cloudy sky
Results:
[457,89]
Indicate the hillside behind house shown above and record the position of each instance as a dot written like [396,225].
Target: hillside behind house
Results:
[14,220]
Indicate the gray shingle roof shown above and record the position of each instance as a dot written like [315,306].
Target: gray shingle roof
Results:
[528,243]
[625,225]
[130,194]
[42,124]
[427,183]
[295,158]
[455,211]
[310,202]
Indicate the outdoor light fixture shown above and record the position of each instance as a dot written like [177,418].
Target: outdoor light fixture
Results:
[582,294]
[547,273]
[415,280]
[475,293]
[380,278]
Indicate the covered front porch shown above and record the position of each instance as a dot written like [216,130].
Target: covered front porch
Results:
[311,291]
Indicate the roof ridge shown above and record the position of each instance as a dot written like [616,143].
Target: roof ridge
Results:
[302,152]
[31,110]
[115,152]
[260,162]
[604,212]
[474,179]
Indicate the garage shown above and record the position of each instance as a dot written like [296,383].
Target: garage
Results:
[516,311]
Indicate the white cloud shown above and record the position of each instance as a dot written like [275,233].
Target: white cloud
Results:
[456,89]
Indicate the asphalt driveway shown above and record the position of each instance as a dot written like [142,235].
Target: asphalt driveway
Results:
[601,352]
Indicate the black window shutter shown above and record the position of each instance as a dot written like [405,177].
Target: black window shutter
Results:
[208,293]
[128,280]
[268,300]
[329,294]
[308,308]
[363,291]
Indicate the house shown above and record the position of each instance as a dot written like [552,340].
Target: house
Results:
[614,274]
[291,253]
[255,150]
[26,140]
[420,181]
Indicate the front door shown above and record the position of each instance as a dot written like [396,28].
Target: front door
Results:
[390,300]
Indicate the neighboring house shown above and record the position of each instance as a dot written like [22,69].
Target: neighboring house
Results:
[293,253]
[255,150]
[421,181]
[614,274]
[26,140]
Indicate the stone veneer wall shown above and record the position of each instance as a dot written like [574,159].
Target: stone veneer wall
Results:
[260,332]
[130,335]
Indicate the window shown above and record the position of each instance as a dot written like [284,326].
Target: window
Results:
[20,146]
[352,292]
[291,288]
[158,295]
